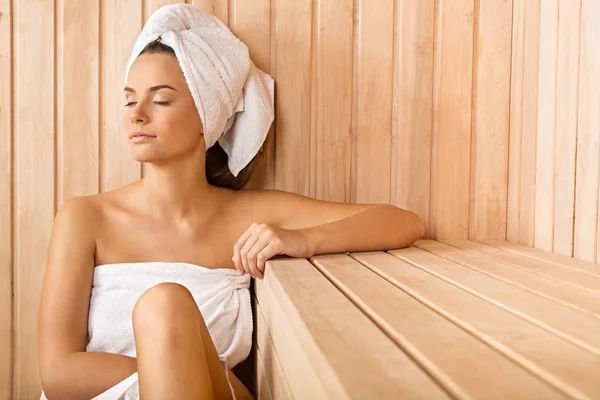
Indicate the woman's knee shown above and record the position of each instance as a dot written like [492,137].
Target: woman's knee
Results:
[165,306]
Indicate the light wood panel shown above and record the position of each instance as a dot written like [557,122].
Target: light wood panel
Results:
[588,135]
[491,106]
[372,104]
[412,108]
[6,200]
[34,178]
[452,119]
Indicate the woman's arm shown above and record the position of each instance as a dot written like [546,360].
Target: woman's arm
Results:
[66,370]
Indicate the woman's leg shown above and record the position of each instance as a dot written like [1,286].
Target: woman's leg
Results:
[176,357]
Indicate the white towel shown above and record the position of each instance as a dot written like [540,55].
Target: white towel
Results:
[234,99]
[222,296]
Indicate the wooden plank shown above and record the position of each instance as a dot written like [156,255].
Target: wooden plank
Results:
[292,72]
[274,376]
[455,358]
[516,118]
[580,329]
[529,122]
[121,24]
[326,325]
[453,120]
[559,362]
[218,8]
[560,259]
[584,301]
[546,128]
[491,105]
[251,23]
[567,83]
[372,105]
[588,135]
[334,41]
[561,273]
[262,385]
[412,107]
[79,125]
[34,178]
[6,199]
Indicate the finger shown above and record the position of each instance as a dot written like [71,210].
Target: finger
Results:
[237,247]
[263,242]
[244,252]
[266,254]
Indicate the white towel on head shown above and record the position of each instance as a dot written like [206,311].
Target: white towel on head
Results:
[234,99]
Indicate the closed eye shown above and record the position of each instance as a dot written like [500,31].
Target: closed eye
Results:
[162,103]
[130,103]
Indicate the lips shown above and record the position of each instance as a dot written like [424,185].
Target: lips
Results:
[141,134]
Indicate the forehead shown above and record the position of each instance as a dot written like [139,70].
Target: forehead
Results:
[156,69]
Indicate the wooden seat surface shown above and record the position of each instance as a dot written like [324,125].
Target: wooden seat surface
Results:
[436,320]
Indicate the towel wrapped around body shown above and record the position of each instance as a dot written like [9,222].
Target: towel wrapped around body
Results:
[222,296]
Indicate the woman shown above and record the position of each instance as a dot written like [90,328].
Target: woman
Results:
[187,217]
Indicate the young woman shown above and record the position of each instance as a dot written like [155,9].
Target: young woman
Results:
[186,216]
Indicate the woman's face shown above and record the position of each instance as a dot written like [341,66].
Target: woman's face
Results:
[158,104]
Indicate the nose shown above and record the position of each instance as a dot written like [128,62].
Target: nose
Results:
[137,116]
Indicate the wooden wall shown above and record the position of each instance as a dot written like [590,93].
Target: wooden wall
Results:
[555,127]
[481,116]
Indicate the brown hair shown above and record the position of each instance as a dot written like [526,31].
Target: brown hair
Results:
[216,168]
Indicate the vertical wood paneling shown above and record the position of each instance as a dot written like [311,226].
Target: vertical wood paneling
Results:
[453,120]
[243,19]
[516,116]
[588,134]
[373,101]
[292,73]
[333,102]
[546,127]
[412,108]
[6,173]
[529,122]
[219,8]
[122,21]
[566,123]
[34,164]
[78,100]
[491,105]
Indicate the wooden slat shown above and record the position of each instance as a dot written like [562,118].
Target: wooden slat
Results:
[561,363]
[6,200]
[274,375]
[546,127]
[121,24]
[263,391]
[219,8]
[491,105]
[78,99]
[567,84]
[34,111]
[372,105]
[244,18]
[516,117]
[456,359]
[412,107]
[588,135]
[292,72]
[568,295]
[555,258]
[579,328]
[334,41]
[453,120]
[574,277]
[529,122]
[156,4]
[345,348]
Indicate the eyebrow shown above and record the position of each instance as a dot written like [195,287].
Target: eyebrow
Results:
[152,89]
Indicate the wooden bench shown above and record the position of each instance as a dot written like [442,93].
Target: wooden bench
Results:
[458,320]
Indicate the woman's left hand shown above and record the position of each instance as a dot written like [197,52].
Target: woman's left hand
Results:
[262,242]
